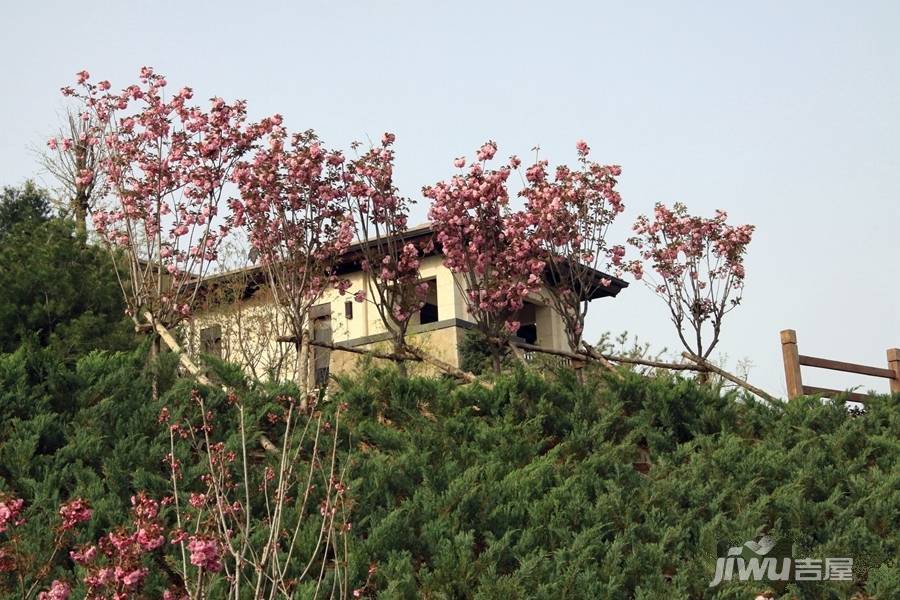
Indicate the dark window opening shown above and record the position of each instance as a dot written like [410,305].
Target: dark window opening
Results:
[211,340]
[528,333]
[348,309]
[428,314]
[527,318]
[429,311]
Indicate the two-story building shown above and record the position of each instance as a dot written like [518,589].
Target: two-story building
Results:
[239,322]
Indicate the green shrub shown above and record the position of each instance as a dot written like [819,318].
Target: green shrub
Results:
[529,490]
[526,490]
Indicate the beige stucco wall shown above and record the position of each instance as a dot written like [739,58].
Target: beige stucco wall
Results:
[249,332]
[250,327]
[441,343]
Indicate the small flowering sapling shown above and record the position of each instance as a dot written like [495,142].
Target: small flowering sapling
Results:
[118,565]
[291,206]
[27,570]
[167,165]
[390,261]
[486,243]
[696,266]
[75,158]
[258,527]
[569,217]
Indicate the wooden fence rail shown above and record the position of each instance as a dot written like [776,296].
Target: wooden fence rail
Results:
[793,360]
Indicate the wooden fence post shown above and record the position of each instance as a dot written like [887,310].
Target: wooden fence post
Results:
[791,357]
[893,356]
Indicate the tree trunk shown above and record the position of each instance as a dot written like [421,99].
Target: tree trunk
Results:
[301,376]
[495,358]
[401,364]
[80,214]
[154,368]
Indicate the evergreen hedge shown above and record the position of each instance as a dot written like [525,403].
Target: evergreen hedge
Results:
[528,490]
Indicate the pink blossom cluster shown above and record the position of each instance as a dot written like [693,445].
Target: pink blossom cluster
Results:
[291,205]
[675,241]
[166,163]
[73,513]
[698,265]
[381,218]
[568,218]
[205,553]
[10,516]
[115,565]
[486,242]
[10,512]
[59,590]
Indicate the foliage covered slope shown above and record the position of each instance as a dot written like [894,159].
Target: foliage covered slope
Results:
[525,491]
[529,491]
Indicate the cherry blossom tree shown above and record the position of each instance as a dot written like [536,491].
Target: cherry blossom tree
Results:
[486,243]
[696,265]
[569,217]
[167,165]
[291,204]
[390,260]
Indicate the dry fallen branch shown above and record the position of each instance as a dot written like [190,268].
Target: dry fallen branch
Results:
[726,375]
[517,353]
[446,367]
[532,348]
[653,363]
[593,353]
[579,357]
[289,339]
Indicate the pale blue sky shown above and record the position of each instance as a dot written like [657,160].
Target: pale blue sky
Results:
[786,114]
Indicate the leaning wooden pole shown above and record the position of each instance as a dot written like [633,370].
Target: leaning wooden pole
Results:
[628,360]
[194,370]
[517,353]
[593,355]
[596,355]
[410,353]
[364,352]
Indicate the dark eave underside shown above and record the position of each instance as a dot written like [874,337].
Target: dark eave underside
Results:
[254,276]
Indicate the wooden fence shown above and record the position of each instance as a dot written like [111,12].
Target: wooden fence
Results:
[793,360]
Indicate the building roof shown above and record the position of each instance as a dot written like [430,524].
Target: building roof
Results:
[350,261]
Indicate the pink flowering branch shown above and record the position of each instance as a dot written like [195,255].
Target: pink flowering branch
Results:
[234,521]
[243,518]
[291,206]
[389,259]
[486,244]
[568,218]
[166,164]
[696,266]
[30,571]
